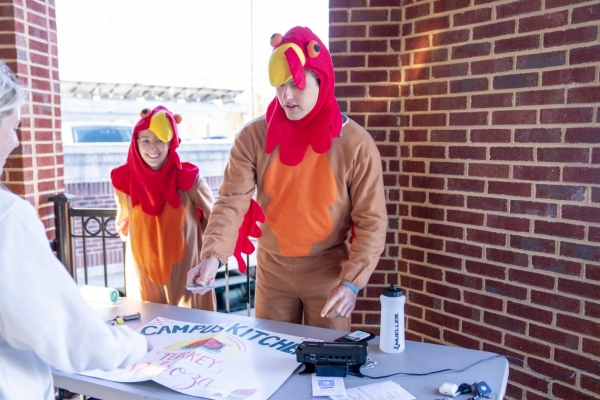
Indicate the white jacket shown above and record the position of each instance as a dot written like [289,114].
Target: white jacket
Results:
[44,321]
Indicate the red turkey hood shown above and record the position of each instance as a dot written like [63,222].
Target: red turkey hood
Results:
[152,189]
[298,50]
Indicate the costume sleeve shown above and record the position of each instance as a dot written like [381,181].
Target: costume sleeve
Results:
[202,196]
[41,309]
[235,193]
[369,215]
[122,213]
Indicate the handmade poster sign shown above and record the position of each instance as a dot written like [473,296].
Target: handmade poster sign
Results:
[215,361]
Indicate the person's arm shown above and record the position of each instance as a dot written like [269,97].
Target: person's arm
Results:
[237,188]
[369,216]
[122,218]
[235,193]
[202,197]
[41,309]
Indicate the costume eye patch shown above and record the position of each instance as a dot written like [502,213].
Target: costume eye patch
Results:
[276,39]
[145,112]
[313,49]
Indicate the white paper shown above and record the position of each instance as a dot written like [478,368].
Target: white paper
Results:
[328,386]
[213,361]
[387,390]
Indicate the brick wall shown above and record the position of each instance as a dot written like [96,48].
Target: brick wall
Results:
[28,45]
[486,115]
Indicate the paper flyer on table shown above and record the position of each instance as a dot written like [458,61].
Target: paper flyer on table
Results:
[215,361]
[386,390]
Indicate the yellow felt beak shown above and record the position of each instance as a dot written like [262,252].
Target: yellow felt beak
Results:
[279,68]
[161,126]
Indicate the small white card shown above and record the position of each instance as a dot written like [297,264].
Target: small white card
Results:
[328,386]
[388,390]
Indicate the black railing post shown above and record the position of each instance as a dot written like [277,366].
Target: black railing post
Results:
[249,303]
[62,223]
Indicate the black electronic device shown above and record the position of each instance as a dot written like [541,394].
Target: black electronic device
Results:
[356,337]
[480,390]
[332,358]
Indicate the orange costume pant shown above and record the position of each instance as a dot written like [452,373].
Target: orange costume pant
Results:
[295,289]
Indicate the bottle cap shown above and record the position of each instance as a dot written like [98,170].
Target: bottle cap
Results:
[393,291]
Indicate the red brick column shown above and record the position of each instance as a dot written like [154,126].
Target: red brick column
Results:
[364,44]
[28,45]
[493,184]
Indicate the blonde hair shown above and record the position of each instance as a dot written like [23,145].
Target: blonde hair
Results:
[12,94]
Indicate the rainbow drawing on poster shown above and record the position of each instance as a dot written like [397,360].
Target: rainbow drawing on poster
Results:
[213,361]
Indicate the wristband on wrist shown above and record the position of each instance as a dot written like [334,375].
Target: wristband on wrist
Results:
[352,287]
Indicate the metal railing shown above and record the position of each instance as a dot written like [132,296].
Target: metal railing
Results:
[76,227]
[80,226]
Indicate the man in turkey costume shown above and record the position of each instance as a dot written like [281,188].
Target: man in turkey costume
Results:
[318,180]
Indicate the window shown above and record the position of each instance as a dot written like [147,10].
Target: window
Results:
[95,134]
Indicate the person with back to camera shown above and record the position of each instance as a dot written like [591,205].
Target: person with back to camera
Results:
[44,321]
[318,178]
[163,206]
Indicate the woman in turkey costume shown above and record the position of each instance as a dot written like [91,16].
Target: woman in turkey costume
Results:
[163,207]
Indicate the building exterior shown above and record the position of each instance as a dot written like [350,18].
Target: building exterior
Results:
[206,112]
[97,120]
[486,115]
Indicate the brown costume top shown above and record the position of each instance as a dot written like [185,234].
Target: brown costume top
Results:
[311,207]
[316,186]
[139,286]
